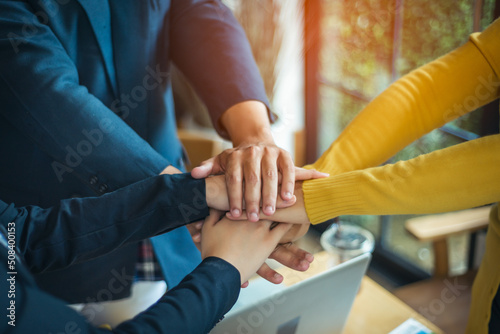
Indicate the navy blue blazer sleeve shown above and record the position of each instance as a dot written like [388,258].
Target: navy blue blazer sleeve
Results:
[210,47]
[38,77]
[80,229]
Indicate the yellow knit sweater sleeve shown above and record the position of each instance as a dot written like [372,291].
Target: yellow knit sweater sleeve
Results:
[455,178]
[421,101]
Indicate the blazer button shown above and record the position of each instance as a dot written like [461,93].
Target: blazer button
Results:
[93,180]
[103,188]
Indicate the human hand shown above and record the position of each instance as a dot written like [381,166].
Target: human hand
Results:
[244,244]
[217,197]
[295,214]
[289,255]
[296,232]
[256,165]
[244,167]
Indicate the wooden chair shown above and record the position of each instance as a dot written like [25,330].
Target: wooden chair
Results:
[443,299]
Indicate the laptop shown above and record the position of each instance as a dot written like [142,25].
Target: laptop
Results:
[317,305]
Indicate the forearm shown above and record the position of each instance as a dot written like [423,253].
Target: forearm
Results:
[458,177]
[74,230]
[192,307]
[257,127]
[421,101]
[211,49]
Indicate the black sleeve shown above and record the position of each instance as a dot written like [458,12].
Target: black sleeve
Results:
[192,307]
[80,229]
[195,305]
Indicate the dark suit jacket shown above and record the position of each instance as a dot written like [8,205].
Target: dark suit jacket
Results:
[86,107]
[74,231]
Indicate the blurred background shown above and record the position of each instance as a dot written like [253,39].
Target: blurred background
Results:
[362,47]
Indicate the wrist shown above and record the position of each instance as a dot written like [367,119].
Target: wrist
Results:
[254,115]
[216,193]
[259,137]
[229,269]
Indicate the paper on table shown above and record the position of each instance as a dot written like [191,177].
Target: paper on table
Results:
[411,326]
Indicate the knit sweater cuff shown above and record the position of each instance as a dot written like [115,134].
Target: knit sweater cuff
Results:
[330,197]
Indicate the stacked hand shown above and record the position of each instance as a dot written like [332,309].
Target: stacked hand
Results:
[230,200]
[289,211]
[294,214]
[289,255]
[246,245]
[241,188]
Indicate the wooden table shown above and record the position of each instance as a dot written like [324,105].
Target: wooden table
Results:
[375,310]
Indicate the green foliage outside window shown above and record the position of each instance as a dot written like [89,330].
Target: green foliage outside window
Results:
[363,52]
[366,45]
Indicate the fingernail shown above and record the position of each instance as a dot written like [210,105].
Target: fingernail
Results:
[304,264]
[235,212]
[269,209]
[254,216]
[288,195]
[277,276]
[324,174]
[309,257]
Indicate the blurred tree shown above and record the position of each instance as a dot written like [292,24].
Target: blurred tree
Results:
[369,43]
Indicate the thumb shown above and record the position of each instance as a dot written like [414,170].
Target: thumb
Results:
[207,167]
[302,174]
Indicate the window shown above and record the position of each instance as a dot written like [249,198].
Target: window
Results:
[362,47]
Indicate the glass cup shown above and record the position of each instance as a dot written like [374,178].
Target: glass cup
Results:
[344,241]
